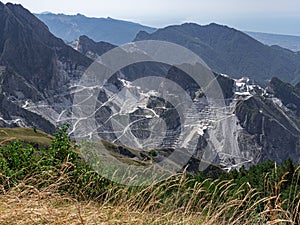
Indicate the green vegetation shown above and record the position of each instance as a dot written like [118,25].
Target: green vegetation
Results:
[264,193]
[26,135]
[153,153]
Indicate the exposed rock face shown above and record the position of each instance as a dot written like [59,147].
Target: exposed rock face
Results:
[287,93]
[271,128]
[249,131]
[37,67]
[32,51]
[12,115]
[38,75]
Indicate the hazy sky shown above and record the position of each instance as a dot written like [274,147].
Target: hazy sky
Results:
[275,16]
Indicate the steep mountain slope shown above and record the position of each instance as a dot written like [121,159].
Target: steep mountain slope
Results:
[39,73]
[263,124]
[232,52]
[289,94]
[286,41]
[269,126]
[12,115]
[36,67]
[109,30]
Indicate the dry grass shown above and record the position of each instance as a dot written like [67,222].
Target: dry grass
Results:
[171,202]
[177,200]
[48,208]
[27,205]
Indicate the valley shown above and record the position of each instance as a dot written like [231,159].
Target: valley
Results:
[183,124]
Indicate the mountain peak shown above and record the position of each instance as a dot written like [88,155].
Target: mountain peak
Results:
[141,35]
[230,51]
[46,12]
[26,45]
[189,24]
[13,4]
[17,8]
[80,15]
[35,66]
[92,49]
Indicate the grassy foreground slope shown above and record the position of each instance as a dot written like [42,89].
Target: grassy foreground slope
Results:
[54,185]
[56,209]
[25,135]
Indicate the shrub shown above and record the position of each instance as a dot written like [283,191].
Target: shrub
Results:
[153,153]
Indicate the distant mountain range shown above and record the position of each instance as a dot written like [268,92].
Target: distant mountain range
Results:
[70,27]
[286,41]
[39,74]
[109,30]
[224,49]
[227,50]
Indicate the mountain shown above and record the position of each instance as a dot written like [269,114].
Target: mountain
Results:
[289,94]
[40,78]
[37,69]
[90,48]
[270,124]
[232,52]
[13,115]
[286,41]
[109,30]
[264,122]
